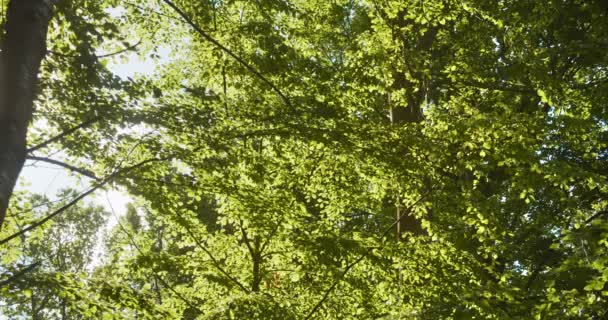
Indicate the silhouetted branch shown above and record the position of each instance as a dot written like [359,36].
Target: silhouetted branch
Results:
[216,263]
[595,216]
[104,55]
[78,198]
[128,48]
[63,134]
[81,171]
[156,276]
[19,274]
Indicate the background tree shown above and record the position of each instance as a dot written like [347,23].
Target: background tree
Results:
[66,246]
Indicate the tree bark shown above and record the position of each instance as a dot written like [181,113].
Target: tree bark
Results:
[257,261]
[408,111]
[23,49]
[33,307]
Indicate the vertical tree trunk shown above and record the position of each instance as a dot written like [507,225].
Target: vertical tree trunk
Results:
[23,49]
[33,307]
[64,312]
[410,110]
[257,261]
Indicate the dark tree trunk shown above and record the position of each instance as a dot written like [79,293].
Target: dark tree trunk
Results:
[410,110]
[23,49]
[257,261]
[33,307]
[64,312]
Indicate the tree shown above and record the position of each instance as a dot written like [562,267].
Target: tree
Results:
[281,146]
[66,247]
[23,47]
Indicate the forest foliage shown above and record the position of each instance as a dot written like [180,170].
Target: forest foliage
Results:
[314,159]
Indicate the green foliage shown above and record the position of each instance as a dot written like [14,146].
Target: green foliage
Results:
[65,246]
[482,122]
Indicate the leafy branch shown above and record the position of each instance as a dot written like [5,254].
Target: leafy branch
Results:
[62,135]
[19,274]
[240,60]
[78,198]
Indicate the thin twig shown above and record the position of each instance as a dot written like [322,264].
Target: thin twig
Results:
[595,216]
[156,276]
[128,48]
[216,263]
[30,209]
[144,9]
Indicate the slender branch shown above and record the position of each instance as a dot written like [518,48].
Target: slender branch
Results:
[130,47]
[595,216]
[224,84]
[229,52]
[543,261]
[144,9]
[29,209]
[62,135]
[179,295]
[407,211]
[19,274]
[43,303]
[125,49]
[246,239]
[498,87]
[70,167]
[78,198]
[271,235]
[52,215]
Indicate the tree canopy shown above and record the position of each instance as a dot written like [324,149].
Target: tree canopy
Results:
[309,159]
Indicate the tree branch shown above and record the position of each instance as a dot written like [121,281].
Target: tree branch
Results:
[216,263]
[229,52]
[156,276]
[19,274]
[81,171]
[595,216]
[498,87]
[78,198]
[246,239]
[125,49]
[63,134]
[105,55]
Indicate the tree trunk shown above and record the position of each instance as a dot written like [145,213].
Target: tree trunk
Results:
[257,261]
[23,49]
[64,313]
[408,111]
[33,307]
